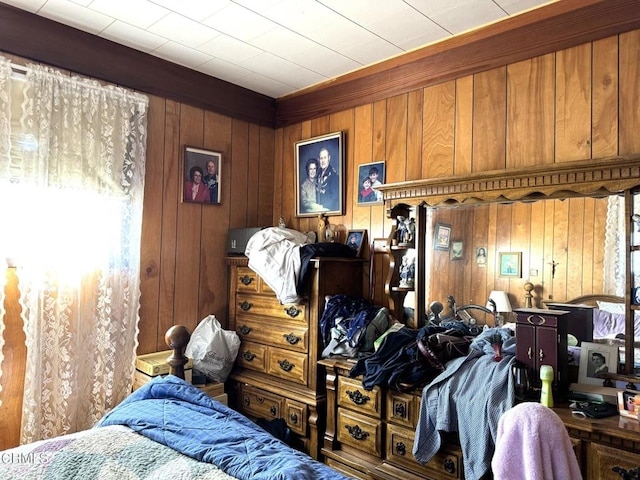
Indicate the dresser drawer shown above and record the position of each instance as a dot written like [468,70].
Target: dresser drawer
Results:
[296,416]
[447,463]
[359,431]
[291,336]
[402,408]
[601,460]
[261,404]
[249,281]
[252,355]
[351,394]
[288,365]
[264,306]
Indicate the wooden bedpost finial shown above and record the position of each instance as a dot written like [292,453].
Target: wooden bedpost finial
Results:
[177,338]
[528,287]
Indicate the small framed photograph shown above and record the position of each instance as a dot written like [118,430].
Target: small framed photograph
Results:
[481,256]
[511,264]
[370,177]
[320,176]
[596,359]
[355,240]
[201,176]
[456,250]
[629,403]
[442,236]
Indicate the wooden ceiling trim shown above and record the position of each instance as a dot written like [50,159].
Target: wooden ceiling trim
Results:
[43,40]
[544,30]
[584,178]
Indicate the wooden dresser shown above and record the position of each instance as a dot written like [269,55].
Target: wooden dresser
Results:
[369,434]
[276,372]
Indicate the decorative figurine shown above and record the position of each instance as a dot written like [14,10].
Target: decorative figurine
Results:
[407,272]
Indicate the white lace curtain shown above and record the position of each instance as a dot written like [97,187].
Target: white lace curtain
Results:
[71,191]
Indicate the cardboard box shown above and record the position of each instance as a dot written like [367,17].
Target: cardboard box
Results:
[156,363]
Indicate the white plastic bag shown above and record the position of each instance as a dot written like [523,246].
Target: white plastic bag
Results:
[213,349]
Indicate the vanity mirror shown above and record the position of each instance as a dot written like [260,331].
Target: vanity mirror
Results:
[554,215]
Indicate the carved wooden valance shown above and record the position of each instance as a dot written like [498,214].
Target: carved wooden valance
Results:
[584,178]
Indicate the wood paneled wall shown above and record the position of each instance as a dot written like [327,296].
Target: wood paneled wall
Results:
[578,103]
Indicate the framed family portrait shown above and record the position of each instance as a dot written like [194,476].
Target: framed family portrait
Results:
[201,170]
[442,236]
[370,177]
[595,359]
[320,175]
[355,240]
[511,264]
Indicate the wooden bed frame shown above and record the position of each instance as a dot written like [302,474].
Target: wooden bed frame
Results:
[177,338]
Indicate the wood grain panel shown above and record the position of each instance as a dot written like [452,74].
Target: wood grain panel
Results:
[520,234]
[266,183]
[240,173]
[489,119]
[380,225]
[479,291]
[561,230]
[589,246]
[414,134]
[530,112]
[278,180]
[253,172]
[150,252]
[573,103]
[189,226]
[604,110]
[600,215]
[438,130]
[344,122]
[629,101]
[575,247]
[291,135]
[463,125]
[545,290]
[363,143]
[396,138]
[536,253]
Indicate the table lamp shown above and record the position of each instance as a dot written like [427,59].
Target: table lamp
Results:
[502,304]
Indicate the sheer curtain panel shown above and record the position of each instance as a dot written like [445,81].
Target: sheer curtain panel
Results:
[72,189]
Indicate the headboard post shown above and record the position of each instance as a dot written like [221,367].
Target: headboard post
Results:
[177,338]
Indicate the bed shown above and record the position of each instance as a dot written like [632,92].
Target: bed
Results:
[166,429]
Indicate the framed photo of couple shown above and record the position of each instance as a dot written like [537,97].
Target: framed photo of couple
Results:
[320,177]
[201,176]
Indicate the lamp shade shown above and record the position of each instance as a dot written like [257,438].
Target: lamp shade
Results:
[501,300]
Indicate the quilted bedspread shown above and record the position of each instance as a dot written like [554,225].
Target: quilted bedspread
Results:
[174,413]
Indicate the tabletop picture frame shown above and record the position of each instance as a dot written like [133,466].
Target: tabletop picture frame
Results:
[587,370]
[355,240]
[324,192]
[208,165]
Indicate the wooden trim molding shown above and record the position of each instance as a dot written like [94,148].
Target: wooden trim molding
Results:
[584,178]
[544,30]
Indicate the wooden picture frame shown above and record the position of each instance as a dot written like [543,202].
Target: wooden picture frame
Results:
[442,236]
[324,192]
[510,264]
[355,240]
[591,356]
[457,250]
[374,173]
[202,172]
[629,403]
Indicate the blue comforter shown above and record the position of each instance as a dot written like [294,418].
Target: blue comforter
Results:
[175,413]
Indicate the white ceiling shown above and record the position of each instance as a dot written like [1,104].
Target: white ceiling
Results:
[275,47]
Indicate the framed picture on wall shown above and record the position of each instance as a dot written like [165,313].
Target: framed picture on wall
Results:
[511,264]
[442,236]
[596,359]
[201,171]
[320,176]
[456,250]
[370,177]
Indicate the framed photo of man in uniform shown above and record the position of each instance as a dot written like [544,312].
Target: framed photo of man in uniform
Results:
[320,175]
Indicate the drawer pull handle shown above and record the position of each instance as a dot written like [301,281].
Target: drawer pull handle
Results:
[357,397]
[246,306]
[285,365]
[248,356]
[247,401]
[291,338]
[541,355]
[530,353]
[627,474]
[541,320]
[292,311]
[294,418]
[244,330]
[356,432]
[246,279]
[273,411]
[400,410]
[401,449]
[449,466]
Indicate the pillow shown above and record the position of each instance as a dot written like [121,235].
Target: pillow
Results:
[611,307]
[607,324]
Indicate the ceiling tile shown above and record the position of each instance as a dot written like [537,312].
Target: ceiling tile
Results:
[131,36]
[223,70]
[139,13]
[230,49]
[29,5]
[76,16]
[324,61]
[180,54]
[183,30]
[468,15]
[239,22]
[513,7]
[197,10]
[265,85]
